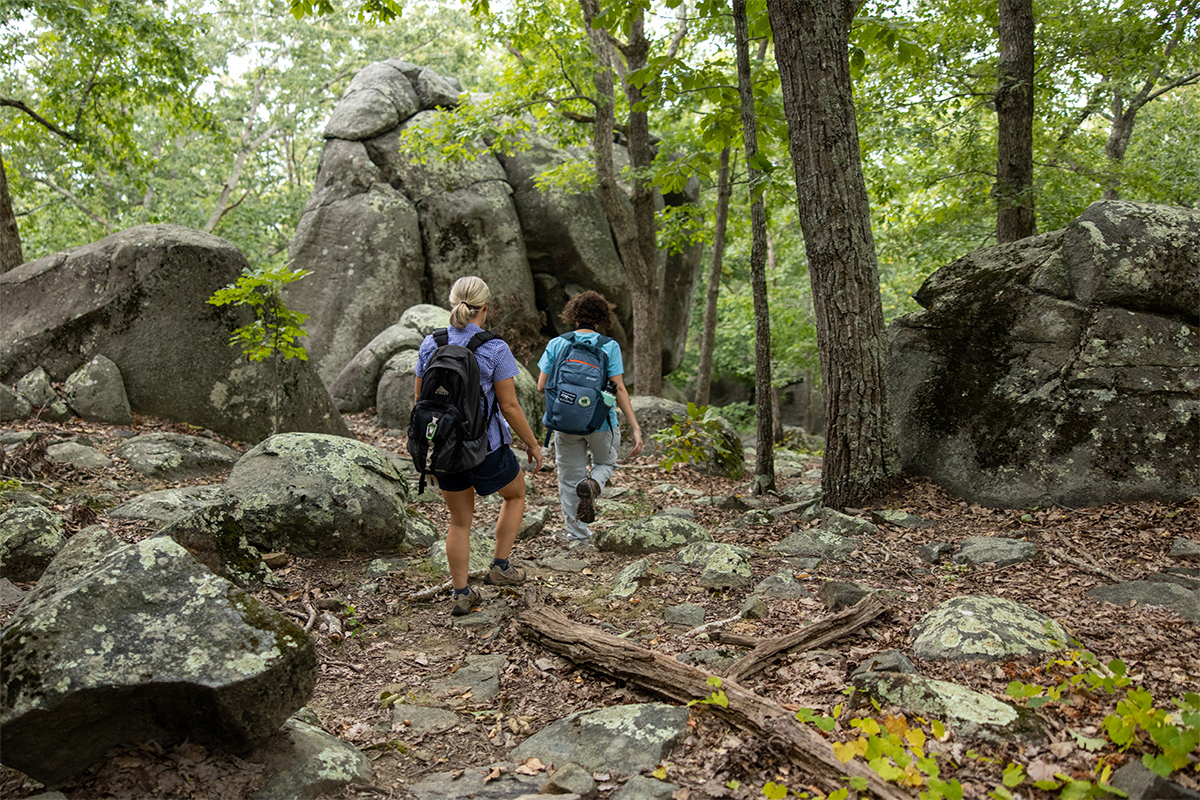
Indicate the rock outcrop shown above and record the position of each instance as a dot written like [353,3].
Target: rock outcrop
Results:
[139,298]
[383,232]
[1063,368]
[124,643]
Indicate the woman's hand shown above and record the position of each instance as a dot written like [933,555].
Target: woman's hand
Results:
[535,455]
[637,442]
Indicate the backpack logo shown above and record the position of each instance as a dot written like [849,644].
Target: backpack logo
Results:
[441,390]
[574,389]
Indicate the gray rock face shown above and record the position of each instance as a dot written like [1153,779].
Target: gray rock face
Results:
[649,535]
[998,550]
[625,739]
[311,493]
[630,578]
[394,396]
[169,505]
[1183,602]
[985,627]
[818,543]
[175,456]
[97,391]
[305,763]
[1059,369]
[12,405]
[354,389]
[140,298]
[125,643]
[35,387]
[721,565]
[78,455]
[972,714]
[30,538]
[383,232]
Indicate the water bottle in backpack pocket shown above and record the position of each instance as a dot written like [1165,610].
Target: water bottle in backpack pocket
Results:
[575,388]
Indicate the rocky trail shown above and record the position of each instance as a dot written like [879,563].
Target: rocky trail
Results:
[438,704]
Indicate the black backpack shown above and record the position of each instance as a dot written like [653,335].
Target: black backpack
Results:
[447,430]
[573,389]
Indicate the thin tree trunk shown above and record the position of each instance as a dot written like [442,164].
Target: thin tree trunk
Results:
[812,51]
[764,461]
[647,355]
[709,336]
[10,234]
[1014,112]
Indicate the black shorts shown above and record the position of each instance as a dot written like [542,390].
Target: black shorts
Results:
[493,474]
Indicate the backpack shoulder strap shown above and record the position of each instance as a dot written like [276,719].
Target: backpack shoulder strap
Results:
[481,338]
[441,337]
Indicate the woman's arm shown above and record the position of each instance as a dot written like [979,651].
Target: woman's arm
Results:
[626,407]
[543,378]
[417,393]
[510,407]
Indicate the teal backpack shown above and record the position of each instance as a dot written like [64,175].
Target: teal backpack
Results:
[575,387]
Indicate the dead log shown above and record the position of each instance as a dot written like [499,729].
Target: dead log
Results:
[333,625]
[681,683]
[737,639]
[819,634]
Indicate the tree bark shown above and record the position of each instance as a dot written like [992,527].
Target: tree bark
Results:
[643,275]
[1014,112]
[764,456]
[709,336]
[812,51]
[10,234]
[680,683]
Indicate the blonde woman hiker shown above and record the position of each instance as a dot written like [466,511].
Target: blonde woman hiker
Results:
[465,416]
[582,377]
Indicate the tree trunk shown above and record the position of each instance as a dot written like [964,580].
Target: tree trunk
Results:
[643,276]
[812,51]
[764,460]
[1014,112]
[643,272]
[10,235]
[709,336]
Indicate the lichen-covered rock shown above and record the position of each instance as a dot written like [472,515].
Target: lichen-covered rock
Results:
[310,493]
[1182,601]
[970,714]
[985,627]
[819,543]
[78,455]
[140,297]
[625,739]
[215,536]
[127,643]
[483,547]
[168,505]
[395,394]
[305,762]
[97,391]
[175,456]
[630,578]
[354,388]
[998,550]
[1063,368]
[30,538]
[721,565]
[649,535]
[12,405]
[425,318]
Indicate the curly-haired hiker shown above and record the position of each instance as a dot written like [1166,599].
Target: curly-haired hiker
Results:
[588,313]
[500,471]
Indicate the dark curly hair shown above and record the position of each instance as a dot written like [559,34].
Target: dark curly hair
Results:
[589,310]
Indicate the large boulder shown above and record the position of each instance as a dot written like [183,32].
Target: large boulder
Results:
[139,297]
[311,493]
[123,643]
[384,231]
[30,538]
[96,391]
[354,388]
[1063,368]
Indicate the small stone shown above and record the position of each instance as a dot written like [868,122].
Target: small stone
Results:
[755,608]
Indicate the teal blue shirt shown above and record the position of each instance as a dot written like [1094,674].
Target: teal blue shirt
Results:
[616,366]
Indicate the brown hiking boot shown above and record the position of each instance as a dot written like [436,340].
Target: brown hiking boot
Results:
[463,603]
[588,490]
[513,576]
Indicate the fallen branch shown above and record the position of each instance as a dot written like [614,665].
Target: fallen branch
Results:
[819,634]
[738,639]
[434,591]
[1101,571]
[681,683]
[716,623]
[334,625]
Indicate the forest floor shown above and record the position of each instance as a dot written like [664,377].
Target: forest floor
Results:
[399,647]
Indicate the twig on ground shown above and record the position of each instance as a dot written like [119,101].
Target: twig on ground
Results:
[710,625]
[442,588]
[1101,571]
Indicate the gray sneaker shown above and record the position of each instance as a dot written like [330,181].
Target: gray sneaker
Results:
[513,576]
[463,603]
